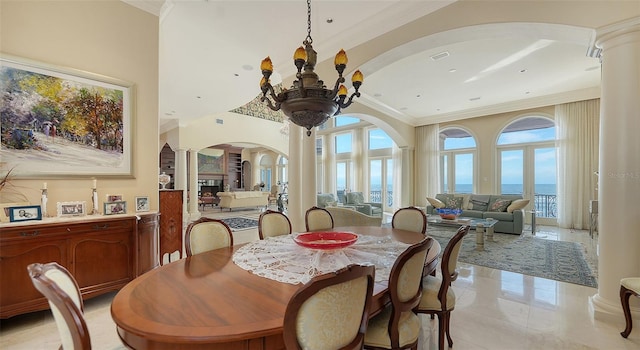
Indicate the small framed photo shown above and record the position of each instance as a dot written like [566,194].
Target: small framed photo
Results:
[142,204]
[113,198]
[4,209]
[72,208]
[113,208]
[24,213]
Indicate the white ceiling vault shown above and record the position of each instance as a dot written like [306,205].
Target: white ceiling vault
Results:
[210,52]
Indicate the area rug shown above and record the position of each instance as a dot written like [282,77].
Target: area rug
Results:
[528,255]
[240,223]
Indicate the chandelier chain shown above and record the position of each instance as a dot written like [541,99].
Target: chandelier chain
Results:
[308,39]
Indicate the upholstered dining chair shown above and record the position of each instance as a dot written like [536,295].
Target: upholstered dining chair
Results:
[410,219]
[273,195]
[437,295]
[397,326]
[273,223]
[61,290]
[331,311]
[628,287]
[207,234]
[317,219]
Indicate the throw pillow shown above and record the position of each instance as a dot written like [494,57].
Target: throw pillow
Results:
[480,204]
[500,205]
[517,204]
[435,203]
[453,203]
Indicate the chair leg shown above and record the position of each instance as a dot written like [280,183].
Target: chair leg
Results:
[441,328]
[625,294]
[447,329]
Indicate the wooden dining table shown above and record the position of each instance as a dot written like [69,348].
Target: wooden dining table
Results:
[206,301]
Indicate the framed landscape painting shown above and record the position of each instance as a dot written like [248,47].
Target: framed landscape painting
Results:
[61,122]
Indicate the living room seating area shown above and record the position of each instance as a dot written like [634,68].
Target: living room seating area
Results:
[507,209]
[351,200]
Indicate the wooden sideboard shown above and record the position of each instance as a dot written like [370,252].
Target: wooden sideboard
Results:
[103,253]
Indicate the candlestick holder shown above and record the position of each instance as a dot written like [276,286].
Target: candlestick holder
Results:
[43,203]
[94,200]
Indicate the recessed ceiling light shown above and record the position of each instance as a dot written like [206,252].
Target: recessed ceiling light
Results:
[329,20]
[403,108]
[527,92]
[198,97]
[523,70]
[474,98]
[377,94]
[452,70]
[418,95]
[236,74]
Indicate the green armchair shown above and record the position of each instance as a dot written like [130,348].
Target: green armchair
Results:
[368,208]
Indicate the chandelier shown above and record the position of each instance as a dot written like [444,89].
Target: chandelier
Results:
[308,103]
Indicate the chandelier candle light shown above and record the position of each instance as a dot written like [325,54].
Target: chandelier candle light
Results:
[308,103]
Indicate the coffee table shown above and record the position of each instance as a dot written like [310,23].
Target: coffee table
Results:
[486,224]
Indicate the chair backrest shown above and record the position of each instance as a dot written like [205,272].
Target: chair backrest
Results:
[449,263]
[344,297]
[410,219]
[273,223]
[207,234]
[274,190]
[317,219]
[405,284]
[65,300]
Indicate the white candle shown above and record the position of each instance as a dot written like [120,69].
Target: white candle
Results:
[95,183]
[44,186]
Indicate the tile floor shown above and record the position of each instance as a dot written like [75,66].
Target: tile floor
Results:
[494,310]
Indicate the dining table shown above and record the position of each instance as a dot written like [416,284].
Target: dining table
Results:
[207,301]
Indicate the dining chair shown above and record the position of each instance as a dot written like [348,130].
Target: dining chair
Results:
[397,326]
[410,219]
[62,292]
[628,287]
[330,311]
[273,223]
[438,297]
[317,219]
[207,234]
[273,195]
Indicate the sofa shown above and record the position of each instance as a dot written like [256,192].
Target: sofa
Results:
[353,200]
[506,209]
[345,216]
[243,199]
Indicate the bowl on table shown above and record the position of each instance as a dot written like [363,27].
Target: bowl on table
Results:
[449,214]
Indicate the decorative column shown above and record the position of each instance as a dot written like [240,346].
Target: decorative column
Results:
[308,176]
[295,208]
[618,46]
[406,181]
[194,213]
[181,180]
[255,169]
[329,164]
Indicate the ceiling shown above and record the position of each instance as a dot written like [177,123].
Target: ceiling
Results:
[210,52]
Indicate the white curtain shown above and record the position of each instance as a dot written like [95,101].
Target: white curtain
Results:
[427,180]
[577,135]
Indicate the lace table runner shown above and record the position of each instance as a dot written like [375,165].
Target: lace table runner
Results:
[281,259]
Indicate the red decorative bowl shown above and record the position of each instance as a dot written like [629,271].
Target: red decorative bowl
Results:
[449,216]
[326,240]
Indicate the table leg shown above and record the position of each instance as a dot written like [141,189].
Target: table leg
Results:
[479,237]
[490,234]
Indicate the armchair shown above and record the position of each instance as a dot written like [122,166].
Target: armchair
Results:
[368,208]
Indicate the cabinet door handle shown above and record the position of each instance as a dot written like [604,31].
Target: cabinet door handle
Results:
[29,234]
[101,227]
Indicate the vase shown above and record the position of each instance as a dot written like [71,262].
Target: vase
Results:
[164,179]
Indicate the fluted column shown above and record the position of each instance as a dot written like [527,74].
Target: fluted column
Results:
[308,170]
[194,213]
[619,180]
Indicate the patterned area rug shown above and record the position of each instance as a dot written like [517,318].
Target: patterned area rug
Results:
[528,255]
[240,223]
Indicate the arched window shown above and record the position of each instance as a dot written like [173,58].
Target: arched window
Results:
[527,158]
[266,163]
[457,161]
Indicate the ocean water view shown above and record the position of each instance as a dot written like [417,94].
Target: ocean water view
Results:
[548,189]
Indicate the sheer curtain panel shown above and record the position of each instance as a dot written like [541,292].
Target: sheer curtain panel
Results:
[427,180]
